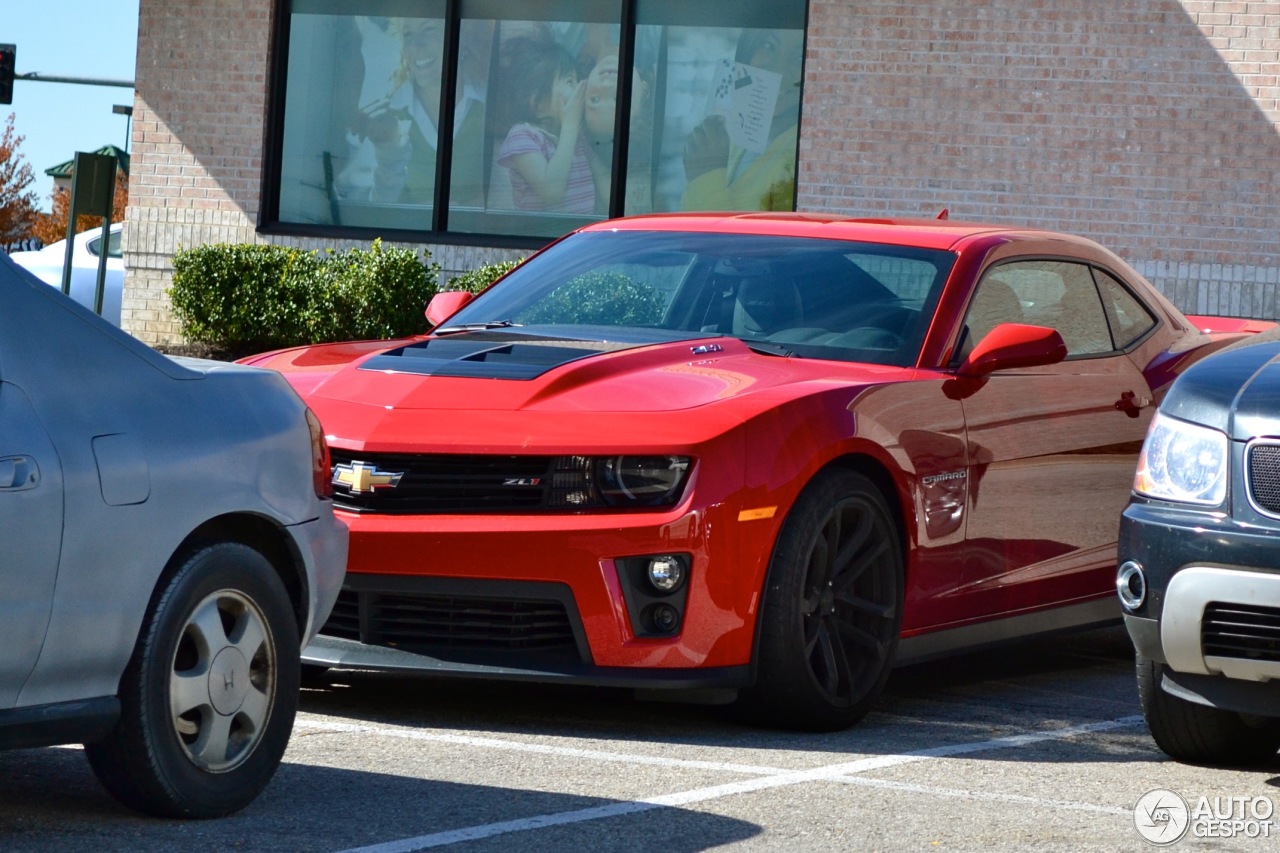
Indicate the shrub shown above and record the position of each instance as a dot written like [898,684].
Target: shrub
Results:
[599,298]
[243,294]
[379,293]
[478,279]
[247,297]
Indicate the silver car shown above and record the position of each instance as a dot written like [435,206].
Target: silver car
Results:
[169,544]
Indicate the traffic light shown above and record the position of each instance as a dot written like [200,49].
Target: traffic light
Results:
[8,59]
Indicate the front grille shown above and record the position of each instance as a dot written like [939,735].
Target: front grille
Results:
[444,483]
[1264,476]
[1241,631]
[434,623]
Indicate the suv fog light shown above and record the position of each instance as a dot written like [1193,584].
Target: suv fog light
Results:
[1131,585]
[666,573]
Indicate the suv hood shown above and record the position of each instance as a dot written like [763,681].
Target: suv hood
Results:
[1236,390]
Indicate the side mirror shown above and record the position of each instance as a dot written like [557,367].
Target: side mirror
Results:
[445,304]
[1014,345]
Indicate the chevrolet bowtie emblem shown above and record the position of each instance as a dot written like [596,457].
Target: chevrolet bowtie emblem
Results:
[362,478]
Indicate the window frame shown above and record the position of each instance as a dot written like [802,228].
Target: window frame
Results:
[269,220]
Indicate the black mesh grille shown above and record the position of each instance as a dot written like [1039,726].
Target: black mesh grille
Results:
[344,620]
[433,623]
[1241,631]
[1264,476]
[441,483]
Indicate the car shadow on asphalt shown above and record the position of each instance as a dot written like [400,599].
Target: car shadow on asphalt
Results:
[50,802]
[1034,685]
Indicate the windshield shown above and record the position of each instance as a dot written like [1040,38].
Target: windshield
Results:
[796,296]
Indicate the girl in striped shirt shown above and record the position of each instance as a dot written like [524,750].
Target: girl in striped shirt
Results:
[545,151]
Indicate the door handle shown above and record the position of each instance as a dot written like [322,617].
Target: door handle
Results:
[1131,404]
[18,473]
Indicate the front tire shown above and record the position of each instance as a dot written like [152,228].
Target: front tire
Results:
[1198,734]
[832,608]
[209,697]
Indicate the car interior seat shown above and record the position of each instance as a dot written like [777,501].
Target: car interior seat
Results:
[765,305]
[993,304]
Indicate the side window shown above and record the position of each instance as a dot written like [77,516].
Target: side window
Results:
[995,302]
[1129,318]
[1057,294]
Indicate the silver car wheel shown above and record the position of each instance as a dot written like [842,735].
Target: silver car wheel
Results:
[222,681]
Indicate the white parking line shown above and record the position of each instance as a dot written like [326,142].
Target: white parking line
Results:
[984,796]
[770,777]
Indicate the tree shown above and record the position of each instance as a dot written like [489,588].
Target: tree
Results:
[17,204]
[52,227]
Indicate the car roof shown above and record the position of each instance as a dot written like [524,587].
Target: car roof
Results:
[922,233]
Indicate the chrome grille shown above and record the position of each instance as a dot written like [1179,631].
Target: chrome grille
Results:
[1241,631]
[1264,476]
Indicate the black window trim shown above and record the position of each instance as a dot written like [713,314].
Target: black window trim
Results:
[268,220]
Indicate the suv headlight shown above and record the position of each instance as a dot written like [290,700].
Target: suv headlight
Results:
[1182,462]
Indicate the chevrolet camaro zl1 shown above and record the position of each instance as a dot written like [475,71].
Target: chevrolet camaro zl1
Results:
[758,457]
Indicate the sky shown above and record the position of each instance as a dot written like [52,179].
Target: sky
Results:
[93,39]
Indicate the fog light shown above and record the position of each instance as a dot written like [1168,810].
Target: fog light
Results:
[665,618]
[1131,585]
[666,573]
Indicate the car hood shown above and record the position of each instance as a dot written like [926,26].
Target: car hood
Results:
[509,390]
[1236,390]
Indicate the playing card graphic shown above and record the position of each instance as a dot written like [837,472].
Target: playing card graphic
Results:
[745,95]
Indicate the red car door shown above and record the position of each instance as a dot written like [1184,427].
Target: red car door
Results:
[1052,449]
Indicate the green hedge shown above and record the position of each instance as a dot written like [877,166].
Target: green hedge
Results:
[249,297]
[478,279]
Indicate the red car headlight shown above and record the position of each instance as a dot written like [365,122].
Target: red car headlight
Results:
[583,482]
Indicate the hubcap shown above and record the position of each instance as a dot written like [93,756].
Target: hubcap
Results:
[222,682]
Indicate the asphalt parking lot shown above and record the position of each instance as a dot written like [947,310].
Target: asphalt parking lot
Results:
[1036,746]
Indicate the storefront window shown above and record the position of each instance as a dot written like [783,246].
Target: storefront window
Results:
[509,128]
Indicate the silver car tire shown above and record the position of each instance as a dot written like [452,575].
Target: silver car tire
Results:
[209,696]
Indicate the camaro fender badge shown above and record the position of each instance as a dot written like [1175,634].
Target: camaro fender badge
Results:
[522,481]
[934,479]
[363,478]
[703,349]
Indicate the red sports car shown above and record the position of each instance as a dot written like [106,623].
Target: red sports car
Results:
[759,457]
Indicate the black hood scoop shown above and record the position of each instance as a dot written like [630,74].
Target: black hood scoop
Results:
[489,356]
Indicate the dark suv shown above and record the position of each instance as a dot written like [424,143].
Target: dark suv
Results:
[1199,560]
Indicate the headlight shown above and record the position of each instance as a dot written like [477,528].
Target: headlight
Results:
[641,480]
[1182,462]
[588,482]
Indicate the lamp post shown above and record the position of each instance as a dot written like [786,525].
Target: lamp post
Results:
[125,110]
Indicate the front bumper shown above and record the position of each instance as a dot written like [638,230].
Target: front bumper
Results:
[547,597]
[1213,607]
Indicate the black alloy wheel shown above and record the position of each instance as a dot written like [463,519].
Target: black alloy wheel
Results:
[832,608]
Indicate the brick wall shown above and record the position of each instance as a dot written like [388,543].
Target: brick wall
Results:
[1148,125]
[1152,126]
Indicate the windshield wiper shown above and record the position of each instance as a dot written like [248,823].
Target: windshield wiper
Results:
[472,327]
[770,348]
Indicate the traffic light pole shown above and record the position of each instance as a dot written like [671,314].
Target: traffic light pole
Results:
[37,77]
